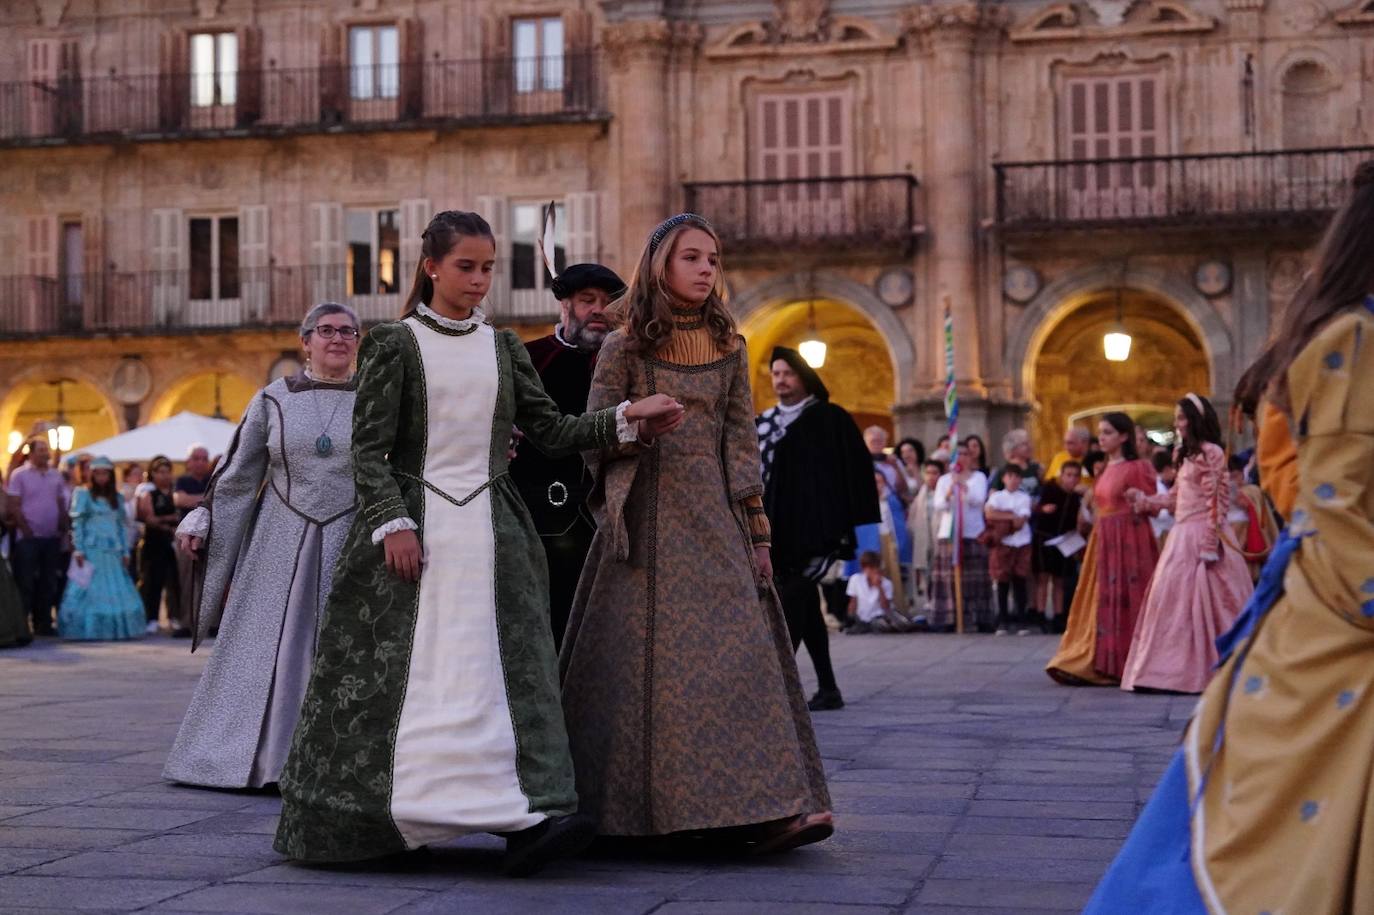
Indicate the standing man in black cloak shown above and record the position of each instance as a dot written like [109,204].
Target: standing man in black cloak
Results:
[555,489]
[818,487]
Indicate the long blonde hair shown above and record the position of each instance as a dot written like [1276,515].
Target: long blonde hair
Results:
[646,309]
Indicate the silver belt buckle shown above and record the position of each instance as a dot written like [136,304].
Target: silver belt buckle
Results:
[558,501]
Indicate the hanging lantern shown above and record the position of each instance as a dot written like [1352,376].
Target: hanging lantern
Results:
[16,440]
[1116,343]
[812,349]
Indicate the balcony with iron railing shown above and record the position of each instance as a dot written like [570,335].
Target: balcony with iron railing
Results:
[869,213]
[275,101]
[184,301]
[1282,189]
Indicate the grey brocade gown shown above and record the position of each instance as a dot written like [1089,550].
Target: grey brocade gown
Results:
[275,518]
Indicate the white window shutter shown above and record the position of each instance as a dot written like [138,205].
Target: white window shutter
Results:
[255,271]
[41,88]
[415,215]
[40,255]
[583,209]
[327,262]
[496,210]
[169,264]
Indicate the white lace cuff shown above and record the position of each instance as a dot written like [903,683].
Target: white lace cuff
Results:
[392,526]
[626,432]
[196,524]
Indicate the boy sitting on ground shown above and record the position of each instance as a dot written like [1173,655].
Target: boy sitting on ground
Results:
[870,599]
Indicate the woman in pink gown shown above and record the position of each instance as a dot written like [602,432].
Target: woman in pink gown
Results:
[1202,582]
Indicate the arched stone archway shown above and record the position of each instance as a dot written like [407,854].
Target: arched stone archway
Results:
[1069,292]
[32,397]
[794,287]
[194,391]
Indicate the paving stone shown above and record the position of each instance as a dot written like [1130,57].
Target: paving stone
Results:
[755,907]
[1025,826]
[971,867]
[17,859]
[234,823]
[1079,810]
[124,865]
[84,893]
[62,837]
[873,890]
[1027,895]
[247,846]
[299,899]
[519,900]
[141,819]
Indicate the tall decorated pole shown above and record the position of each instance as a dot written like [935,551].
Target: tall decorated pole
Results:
[957,497]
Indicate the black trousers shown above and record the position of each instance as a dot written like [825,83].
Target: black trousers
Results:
[37,571]
[158,573]
[801,604]
[566,554]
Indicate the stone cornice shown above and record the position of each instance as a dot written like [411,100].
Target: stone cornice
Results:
[965,19]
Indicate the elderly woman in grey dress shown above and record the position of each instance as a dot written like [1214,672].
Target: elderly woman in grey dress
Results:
[266,539]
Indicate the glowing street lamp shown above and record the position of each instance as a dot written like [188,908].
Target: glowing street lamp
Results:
[60,433]
[812,349]
[1116,343]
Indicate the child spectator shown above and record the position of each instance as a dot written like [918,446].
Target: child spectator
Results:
[1056,516]
[921,521]
[871,607]
[1008,512]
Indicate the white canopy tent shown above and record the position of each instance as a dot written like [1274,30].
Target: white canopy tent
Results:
[172,437]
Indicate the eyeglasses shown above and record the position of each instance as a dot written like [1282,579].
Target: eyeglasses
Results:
[327,331]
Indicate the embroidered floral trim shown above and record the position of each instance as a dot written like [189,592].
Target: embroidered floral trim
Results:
[196,524]
[394,526]
[478,318]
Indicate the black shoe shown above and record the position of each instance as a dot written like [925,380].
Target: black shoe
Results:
[826,700]
[529,850]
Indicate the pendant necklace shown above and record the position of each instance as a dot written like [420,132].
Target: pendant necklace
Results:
[324,445]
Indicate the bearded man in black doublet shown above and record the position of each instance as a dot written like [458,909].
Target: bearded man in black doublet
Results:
[555,489]
[818,487]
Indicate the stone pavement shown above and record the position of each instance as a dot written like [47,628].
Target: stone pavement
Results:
[964,781]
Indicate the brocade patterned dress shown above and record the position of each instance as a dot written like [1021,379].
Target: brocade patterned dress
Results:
[273,522]
[432,709]
[680,687]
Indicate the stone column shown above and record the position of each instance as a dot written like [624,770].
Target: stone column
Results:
[948,36]
[638,54]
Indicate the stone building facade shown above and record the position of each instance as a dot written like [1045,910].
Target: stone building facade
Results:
[181,179]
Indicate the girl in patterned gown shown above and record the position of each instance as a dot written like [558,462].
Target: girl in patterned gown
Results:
[681,693]
[432,708]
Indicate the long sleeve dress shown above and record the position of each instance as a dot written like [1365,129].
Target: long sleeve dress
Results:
[109,606]
[684,708]
[1190,601]
[1117,565]
[432,709]
[1268,804]
[273,522]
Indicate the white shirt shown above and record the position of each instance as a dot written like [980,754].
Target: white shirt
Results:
[1019,504]
[974,495]
[868,606]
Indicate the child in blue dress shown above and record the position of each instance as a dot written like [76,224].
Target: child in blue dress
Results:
[100,601]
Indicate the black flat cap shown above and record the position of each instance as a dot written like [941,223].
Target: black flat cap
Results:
[586,276]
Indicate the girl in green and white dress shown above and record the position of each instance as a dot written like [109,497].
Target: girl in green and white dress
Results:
[433,706]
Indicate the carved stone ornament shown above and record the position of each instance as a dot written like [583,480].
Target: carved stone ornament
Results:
[1212,278]
[131,381]
[1020,283]
[50,12]
[1111,13]
[1303,15]
[801,20]
[624,42]
[965,16]
[895,287]
[207,9]
[1361,13]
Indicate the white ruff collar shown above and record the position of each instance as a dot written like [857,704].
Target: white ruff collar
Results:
[478,317]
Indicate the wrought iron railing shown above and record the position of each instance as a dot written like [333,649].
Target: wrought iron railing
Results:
[187,301]
[1261,188]
[272,100]
[859,211]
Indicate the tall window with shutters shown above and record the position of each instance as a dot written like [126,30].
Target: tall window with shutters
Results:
[214,58]
[538,54]
[798,140]
[1115,117]
[213,279]
[374,62]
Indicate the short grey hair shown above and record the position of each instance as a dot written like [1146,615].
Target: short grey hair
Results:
[1013,440]
[191,451]
[1078,432]
[324,309]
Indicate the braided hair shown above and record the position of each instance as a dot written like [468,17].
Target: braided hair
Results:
[436,241]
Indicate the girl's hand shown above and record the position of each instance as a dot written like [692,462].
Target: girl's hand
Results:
[403,558]
[763,559]
[190,545]
[655,406]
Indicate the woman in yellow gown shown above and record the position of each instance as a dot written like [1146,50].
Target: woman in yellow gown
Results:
[1268,806]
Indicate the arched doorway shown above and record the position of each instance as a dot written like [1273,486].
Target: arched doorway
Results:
[1069,380]
[207,394]
[32,406]
[858,367]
